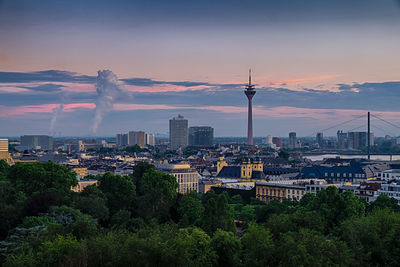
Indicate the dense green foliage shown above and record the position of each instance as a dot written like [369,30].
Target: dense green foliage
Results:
[140,220]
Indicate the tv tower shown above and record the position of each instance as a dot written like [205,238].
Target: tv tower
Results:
[250,92]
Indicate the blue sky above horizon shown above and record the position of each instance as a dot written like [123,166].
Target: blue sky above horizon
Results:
[315,64]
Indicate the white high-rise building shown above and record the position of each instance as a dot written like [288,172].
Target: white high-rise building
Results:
[150,139]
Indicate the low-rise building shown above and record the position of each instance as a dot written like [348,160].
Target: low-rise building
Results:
[335,174]
[81,171]
[391,174]
[315,188]
[367,191]
[391,190]
[186,176]
[82,184]
[295,192]
[248,170]
[268,191]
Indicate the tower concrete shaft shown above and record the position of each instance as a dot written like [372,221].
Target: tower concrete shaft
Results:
[250,92]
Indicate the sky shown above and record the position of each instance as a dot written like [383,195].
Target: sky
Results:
[315,64]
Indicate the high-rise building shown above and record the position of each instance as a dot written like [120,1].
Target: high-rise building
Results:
[43,142]
[342,139]
[150,139]
[320,139]
[178,132]
[357,140]
[250,92]
[201,136]
[122,139]
[292,140]
[137,138]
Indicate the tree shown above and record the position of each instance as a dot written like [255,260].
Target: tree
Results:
[310,248]
[382,202]
[4,168]
[94,206]
[257,246]
[43,177]
[120,191]
[156,194]
[92,201]
[227,246]
[134,149]
[283,154]
[138,171]
[72,221]
[193,248]
[11,205]
[217,215]
[373,238]
[247,213]
[190,210]
[40,203]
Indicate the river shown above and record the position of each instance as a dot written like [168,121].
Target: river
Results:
[373,157]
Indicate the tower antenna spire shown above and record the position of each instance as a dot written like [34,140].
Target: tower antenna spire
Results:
[250,76]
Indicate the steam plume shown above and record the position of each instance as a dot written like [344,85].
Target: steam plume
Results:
[56,113]
[108,91]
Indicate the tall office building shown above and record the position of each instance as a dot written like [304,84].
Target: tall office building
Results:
[250,92]
[357,140]
[342,139]
[178,132]
[320,139]
[292,140]
[201,136]
[137,138]
[150,139]
[43,142]
[122,139]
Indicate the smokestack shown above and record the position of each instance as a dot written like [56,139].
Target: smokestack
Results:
[108,91]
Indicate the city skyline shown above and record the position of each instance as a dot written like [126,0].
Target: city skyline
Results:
[315,64]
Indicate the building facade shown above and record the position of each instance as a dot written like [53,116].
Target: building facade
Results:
[178,132]
[392,174]
[122,139]
[357,140]
[248,170]
[137,138]
[186,176]
[150,139]
[43,142]
[201,136]
[292,140]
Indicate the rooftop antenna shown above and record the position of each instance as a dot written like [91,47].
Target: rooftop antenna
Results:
[250,76]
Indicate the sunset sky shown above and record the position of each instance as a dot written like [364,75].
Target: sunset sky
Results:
[315,63]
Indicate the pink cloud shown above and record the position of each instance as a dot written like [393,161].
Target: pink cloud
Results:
[164,88]
[274,112]
[258,111]
[78,87]
[6,111]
